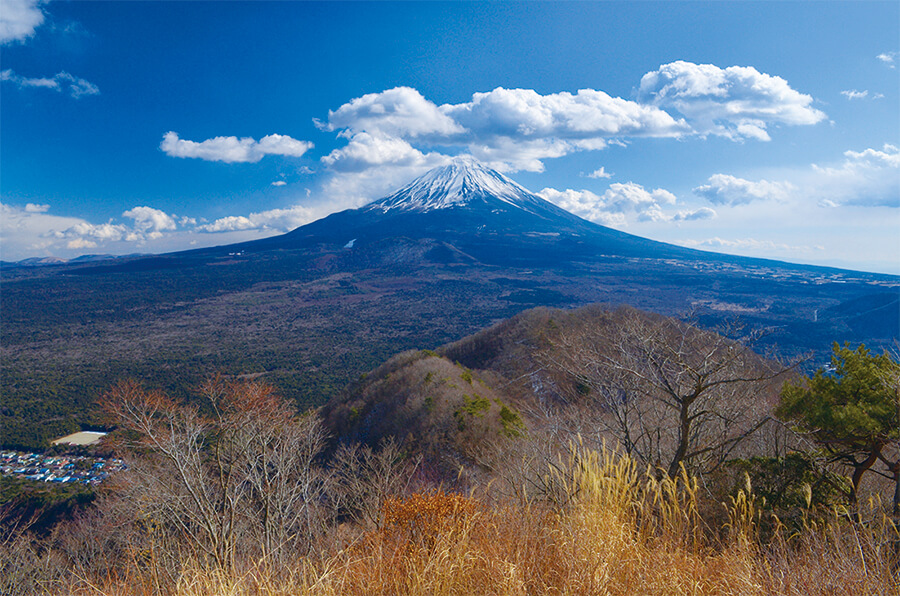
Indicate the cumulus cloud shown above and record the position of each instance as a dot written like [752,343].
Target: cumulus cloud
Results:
[511,155]
[517,129]
[867,178]
[737,102]
[888,58]
[150,221]
[19,19]
[107,232]
[634,197]
[854,94]
[233,149]
[620,201]
[32,229]
[281,220]
[587,114]
[723,189]
[26,231]
[601,173]
[279,183]
[584,203]
[510,129]
[370,165]
[367,150]
[62,82]
[887,157]
[398,112]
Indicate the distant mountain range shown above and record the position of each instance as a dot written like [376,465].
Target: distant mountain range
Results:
[43,261]
[452,252]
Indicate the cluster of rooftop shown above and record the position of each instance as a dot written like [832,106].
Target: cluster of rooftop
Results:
[58,468]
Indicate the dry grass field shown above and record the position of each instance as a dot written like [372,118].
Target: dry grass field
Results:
[610,530]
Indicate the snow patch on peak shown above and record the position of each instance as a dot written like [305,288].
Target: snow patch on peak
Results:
[458,183]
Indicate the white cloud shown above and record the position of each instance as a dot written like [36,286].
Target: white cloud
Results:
[512,155]
[587,114]
[276,144]
[60,82]
[367,150]
[888,156]
[613,207]
[105,232]
[510,129]
[279,183]
[854,94]
[19,19]
[516,129]
[281,220]
[633,197]
[350,189]
[233,149]
[748,244]
[656,214]
[729,190]
[370,166]
[736,102]
[150,221]
[83,229]
[80,243]
[398,112]
[585,204]
[230,223]
[32,229]
[701,213]
[26,233]
[888,58]
[601,173]
[867,178]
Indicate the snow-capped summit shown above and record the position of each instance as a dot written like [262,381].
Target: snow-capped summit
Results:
[464,211]
[463,181]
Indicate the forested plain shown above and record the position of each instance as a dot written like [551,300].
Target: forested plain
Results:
[312,321]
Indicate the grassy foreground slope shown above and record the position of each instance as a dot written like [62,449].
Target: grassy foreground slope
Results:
[545,468]
[612,530]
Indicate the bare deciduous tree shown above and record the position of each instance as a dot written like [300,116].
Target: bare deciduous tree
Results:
[242,474]
[669,393]
[366,477]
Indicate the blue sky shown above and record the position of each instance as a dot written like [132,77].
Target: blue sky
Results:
[764,129]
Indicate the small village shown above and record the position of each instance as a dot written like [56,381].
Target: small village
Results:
[65,469]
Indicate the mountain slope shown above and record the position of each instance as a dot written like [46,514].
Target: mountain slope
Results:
[481,213]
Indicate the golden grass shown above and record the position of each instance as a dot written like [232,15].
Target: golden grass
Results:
[613,530]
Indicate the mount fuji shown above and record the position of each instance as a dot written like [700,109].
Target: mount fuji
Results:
[475,213]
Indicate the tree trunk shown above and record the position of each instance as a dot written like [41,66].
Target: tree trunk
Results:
[684,430]
[858,471]
[895,469]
